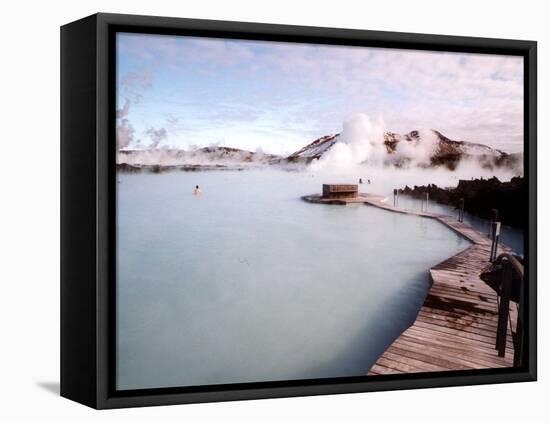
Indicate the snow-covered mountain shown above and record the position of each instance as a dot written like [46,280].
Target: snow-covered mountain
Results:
[316,149]
[400,150]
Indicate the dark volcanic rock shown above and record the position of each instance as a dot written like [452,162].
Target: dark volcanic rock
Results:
[126,168]
[481,196]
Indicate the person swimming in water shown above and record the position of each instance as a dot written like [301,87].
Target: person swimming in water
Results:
[197,190]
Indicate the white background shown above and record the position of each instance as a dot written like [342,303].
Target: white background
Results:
[29,260]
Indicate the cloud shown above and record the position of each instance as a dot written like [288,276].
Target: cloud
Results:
[123,112]
[137,79]
[237,86]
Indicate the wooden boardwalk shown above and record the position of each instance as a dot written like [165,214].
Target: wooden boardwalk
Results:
[456,326]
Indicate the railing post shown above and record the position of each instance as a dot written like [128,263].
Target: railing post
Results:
[494,243]
[519,341]
[427,199]
[504,308]
[493,219]
[461,210]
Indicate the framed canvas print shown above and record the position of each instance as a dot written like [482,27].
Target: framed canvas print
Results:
[256,211]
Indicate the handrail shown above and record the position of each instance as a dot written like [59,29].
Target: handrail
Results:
[510,264]
[516,265]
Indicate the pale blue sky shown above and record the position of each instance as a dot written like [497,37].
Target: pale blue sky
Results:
[279,97]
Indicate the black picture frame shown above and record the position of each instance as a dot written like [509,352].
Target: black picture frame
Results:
[88,222]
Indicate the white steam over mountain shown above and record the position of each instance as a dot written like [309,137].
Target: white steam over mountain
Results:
[363,141]
[366,141]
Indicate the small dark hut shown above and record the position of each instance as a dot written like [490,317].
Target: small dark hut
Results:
[339,191]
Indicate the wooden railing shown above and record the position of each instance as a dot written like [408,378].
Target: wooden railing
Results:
[512,288]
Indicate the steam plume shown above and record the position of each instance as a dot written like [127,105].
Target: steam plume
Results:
[361,142]
[156,135]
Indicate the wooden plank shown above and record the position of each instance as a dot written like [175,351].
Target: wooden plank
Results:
[454,324]
[456,338]
[409,360]
[462,334]
[436,352]
[382,370]
[481,318]
[401,367]
[483,301]
[486,356]
[437,362]
[450,340]
[458,321]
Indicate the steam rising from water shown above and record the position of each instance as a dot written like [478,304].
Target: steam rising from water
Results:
[124,129]
[361,154]
[360,144]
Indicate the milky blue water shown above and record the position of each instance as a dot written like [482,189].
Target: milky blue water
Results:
[512,237]
[249,283]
